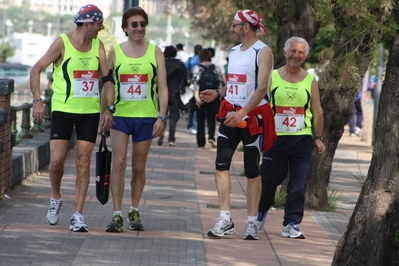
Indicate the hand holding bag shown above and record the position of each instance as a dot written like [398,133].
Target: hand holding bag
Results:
[103,170]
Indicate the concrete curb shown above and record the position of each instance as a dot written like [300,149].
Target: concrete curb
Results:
[32,155]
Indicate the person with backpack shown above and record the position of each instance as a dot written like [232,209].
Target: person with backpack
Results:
[190,64]
[206,76]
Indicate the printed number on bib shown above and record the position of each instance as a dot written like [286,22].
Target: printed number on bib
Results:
[86,83]
[236,87]
[134,87]
[289,119]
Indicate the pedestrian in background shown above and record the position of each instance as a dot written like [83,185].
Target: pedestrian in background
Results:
[139,70]
[77,57]
[356,122]
[297,110]
[245,98]
[181,54]
[206,76]
[217,64]
[192,115]
[176,76]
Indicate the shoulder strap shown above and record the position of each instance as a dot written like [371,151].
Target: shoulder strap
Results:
[189,63]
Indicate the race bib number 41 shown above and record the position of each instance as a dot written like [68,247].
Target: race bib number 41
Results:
[134,87]
[289,119]
[86,83]
[236,87]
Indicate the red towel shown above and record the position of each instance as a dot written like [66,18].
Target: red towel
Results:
[269,128]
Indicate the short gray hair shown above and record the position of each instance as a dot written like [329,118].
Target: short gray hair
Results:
[296,39]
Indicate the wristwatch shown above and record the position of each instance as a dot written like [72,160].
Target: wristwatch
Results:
[320,138]
[111,108]
[162,117]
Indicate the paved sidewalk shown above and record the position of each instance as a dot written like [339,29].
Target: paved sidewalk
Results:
[179,205]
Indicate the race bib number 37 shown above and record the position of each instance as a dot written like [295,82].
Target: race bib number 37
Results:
[289,119]
[236,87]
[134,87]
[86,83]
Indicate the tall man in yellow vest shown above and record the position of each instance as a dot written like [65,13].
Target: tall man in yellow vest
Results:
[140,75]
[77,58]
[295,102]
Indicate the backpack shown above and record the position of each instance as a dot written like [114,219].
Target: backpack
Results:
[208,78]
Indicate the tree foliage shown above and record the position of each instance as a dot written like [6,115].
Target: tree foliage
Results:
[6,51]
[106,35]
[359,26]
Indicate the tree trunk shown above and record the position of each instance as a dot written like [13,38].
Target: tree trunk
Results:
[339,86]
[372,234]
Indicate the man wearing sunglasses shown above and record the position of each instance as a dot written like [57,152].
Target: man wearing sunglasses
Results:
[77,58]
[245,98]
[139,70]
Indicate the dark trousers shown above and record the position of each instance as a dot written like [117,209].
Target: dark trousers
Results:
[192,115]
[207,112]
[357,117]
[173,106]
[291,153]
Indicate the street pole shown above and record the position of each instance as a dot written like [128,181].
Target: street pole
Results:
[130,3]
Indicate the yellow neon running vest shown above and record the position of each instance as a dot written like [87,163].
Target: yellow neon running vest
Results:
[291,105]
[75,81]
[136,91]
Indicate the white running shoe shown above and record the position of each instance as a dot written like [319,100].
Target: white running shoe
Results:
[291,230]
[53,216]
[222,227]
[78,223]
[251,231]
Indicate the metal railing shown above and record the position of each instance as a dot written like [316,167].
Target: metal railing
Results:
[27,130]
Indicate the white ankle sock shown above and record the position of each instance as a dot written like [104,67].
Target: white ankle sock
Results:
[225,214]
[251,218]
[132,208]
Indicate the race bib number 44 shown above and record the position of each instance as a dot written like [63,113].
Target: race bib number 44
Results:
[134,87]
[289,119]
[236,87]
[86,83]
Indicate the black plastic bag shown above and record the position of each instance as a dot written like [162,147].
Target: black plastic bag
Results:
[103,170]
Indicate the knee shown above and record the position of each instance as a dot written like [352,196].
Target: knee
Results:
[57,162]
[222,166]
[223,160]
[138,170]
[251,172]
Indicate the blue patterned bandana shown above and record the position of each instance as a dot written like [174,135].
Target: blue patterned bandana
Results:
[88,13]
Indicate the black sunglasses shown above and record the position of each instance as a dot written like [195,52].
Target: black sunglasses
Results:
[142,24]
[238,24]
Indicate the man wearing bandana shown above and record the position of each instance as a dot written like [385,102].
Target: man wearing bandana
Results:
[245,98]
[78,59]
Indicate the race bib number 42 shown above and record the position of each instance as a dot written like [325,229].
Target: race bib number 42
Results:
[236,87]
[86,83]
[134,87]
[289,119]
